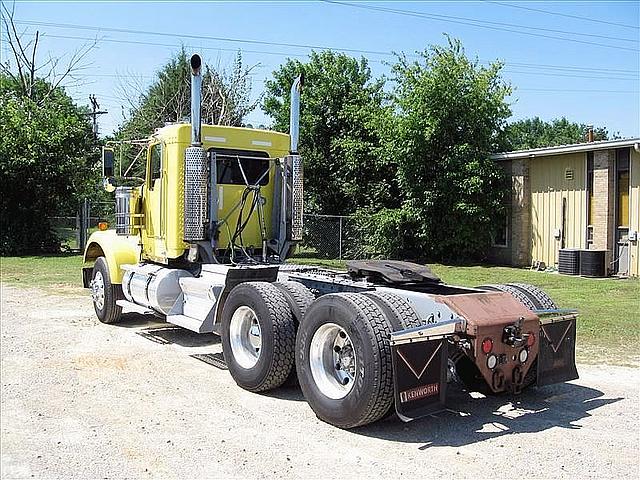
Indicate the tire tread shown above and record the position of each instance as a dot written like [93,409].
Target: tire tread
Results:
[403,311]
[380,401]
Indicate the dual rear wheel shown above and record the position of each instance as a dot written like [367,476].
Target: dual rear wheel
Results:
[338,346]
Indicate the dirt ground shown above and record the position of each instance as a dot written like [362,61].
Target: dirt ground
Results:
[85,400]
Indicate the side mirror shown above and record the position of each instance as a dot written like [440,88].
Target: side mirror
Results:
[107,162]
[107,168]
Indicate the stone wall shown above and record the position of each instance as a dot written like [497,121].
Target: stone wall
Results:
[520,213]
[604,202]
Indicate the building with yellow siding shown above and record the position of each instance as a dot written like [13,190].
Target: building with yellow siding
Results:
[582,196]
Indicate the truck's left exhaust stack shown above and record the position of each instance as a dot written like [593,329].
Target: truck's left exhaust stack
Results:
[195,166]
[196,99]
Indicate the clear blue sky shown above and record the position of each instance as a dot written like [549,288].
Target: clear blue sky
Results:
[590,75]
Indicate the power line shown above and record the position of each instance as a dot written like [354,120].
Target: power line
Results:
[195,37]
[285,54]
[557,74]
[566,15]
[479,24]
[572,68]
[570,90]
[165,45]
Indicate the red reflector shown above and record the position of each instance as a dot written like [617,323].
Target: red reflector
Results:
[487,345]
[531,339]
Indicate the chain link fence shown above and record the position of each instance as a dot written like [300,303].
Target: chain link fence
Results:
[331,237]
[73,231]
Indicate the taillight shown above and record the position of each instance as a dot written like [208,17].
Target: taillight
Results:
[492,361]
[523,355]
[487,345]
[531,339]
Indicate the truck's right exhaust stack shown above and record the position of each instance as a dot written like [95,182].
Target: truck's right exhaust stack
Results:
[294,114]
[297,194]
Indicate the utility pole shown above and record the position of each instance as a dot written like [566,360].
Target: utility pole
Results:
[94,114]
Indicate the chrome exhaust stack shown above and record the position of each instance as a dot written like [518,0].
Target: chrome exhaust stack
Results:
[294,114]
[296,202]
[196,176]
[196,99]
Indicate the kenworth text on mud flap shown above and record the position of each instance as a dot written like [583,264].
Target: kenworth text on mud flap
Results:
[202,241]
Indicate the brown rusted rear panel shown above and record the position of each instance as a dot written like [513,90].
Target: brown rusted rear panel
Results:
[487,314]
[487,309]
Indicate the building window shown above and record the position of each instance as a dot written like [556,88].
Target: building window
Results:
[500,236]
[622,187]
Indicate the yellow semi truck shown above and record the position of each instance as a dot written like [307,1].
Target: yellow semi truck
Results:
[202,241]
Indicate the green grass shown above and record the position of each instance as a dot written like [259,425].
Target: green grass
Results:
[609,308]
[56,274]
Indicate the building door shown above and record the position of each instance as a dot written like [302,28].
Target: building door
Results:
[621,259]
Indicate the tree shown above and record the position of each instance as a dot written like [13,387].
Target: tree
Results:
[536,133]
[226,97]
[342,117]
[450,116]
[48,160]
[25,69]
[47,164]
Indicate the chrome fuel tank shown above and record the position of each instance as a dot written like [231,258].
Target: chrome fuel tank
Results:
[152,286]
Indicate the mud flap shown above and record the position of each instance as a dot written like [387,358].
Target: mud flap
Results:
[420,377]
[557,356]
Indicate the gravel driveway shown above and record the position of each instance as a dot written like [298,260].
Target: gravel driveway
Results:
[85,400]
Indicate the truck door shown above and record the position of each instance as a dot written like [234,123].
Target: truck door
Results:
[154,247]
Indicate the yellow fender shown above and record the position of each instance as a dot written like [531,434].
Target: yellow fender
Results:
[117,249]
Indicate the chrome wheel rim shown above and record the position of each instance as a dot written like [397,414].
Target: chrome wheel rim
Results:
[97,290]
[333,361]
[245,337]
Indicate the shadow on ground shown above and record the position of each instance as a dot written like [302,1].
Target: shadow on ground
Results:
[471,420]
[158,331]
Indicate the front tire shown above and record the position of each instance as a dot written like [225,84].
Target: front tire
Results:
[104,293]
[258,336]
[343,359]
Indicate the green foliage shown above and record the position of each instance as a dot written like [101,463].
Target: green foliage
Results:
[47,164]
[225,97]
[389,233]
[536,133]
[342,117]
[450,115]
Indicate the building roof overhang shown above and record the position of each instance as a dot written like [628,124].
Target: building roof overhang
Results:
[563,149]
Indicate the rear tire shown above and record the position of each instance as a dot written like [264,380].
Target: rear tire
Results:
[299,298]
[104,293]
[398,311]
[537,295]
[513,291]
[258,336]
[343,359]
